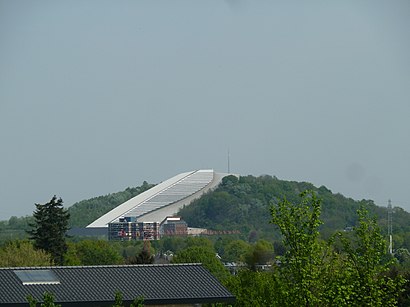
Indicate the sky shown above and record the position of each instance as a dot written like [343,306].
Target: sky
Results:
[97,96]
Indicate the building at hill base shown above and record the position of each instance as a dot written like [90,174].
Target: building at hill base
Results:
[128,229]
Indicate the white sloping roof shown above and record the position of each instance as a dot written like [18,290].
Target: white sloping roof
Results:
[166,193]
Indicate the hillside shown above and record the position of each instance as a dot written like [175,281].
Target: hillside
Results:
[87,211]
[243,204]
[239,204]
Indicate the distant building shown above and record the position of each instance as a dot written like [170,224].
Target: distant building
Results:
[173,226]
[128,228]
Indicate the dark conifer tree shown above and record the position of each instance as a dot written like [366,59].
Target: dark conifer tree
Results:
[145,257]
[49,228]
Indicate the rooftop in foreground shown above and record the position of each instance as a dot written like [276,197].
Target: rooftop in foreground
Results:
[97,285]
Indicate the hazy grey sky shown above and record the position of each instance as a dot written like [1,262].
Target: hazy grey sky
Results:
[96,96]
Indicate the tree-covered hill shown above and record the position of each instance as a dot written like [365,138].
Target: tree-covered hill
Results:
[238,204]
[244,204]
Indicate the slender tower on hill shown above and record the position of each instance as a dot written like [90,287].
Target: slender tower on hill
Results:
[390,226]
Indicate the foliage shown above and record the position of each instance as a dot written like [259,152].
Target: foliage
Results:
[48,300]
[365,267]
[22,253]
[236,251]
[253,288]
[145,256]
[138,302]
[87,211]
[259,253]
[118,301]
[238,204]
[92,252]
[312,273]
[50,227]
[177,244]
[403,257]
[206,256]
[301,267]
[81,213]
[129,249]
[172,243]
[31,301]
[199,241]
[404,296]
[15,228]
[244,204]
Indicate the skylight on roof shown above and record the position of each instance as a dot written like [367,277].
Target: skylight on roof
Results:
[33,277]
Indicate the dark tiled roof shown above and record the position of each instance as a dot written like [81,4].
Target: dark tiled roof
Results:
[158,284]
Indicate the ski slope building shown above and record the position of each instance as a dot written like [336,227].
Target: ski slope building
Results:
[163,200]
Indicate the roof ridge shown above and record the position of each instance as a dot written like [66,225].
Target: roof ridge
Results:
[100,266]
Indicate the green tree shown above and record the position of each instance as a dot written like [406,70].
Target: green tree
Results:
[92,252]
[365,268]
[145,256]
[199,241]
[260,253]
[15,228]
[403,256]
[22,253]
[31,301]
[300,272]
[129,251]
[138,302]
[50,227]
[257,289]
[171,243]
[352,273]
[206,256]
[236,250]
[48,300]
[118,302]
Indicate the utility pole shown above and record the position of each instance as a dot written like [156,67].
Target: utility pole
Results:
[390,226]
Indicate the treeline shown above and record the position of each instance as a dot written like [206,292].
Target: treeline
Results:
[323,266]
[243,204]
[15,228]
[87,211]
[82,213]
[238,205]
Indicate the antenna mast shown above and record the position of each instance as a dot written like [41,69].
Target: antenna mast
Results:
[229,168]
[390,226]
